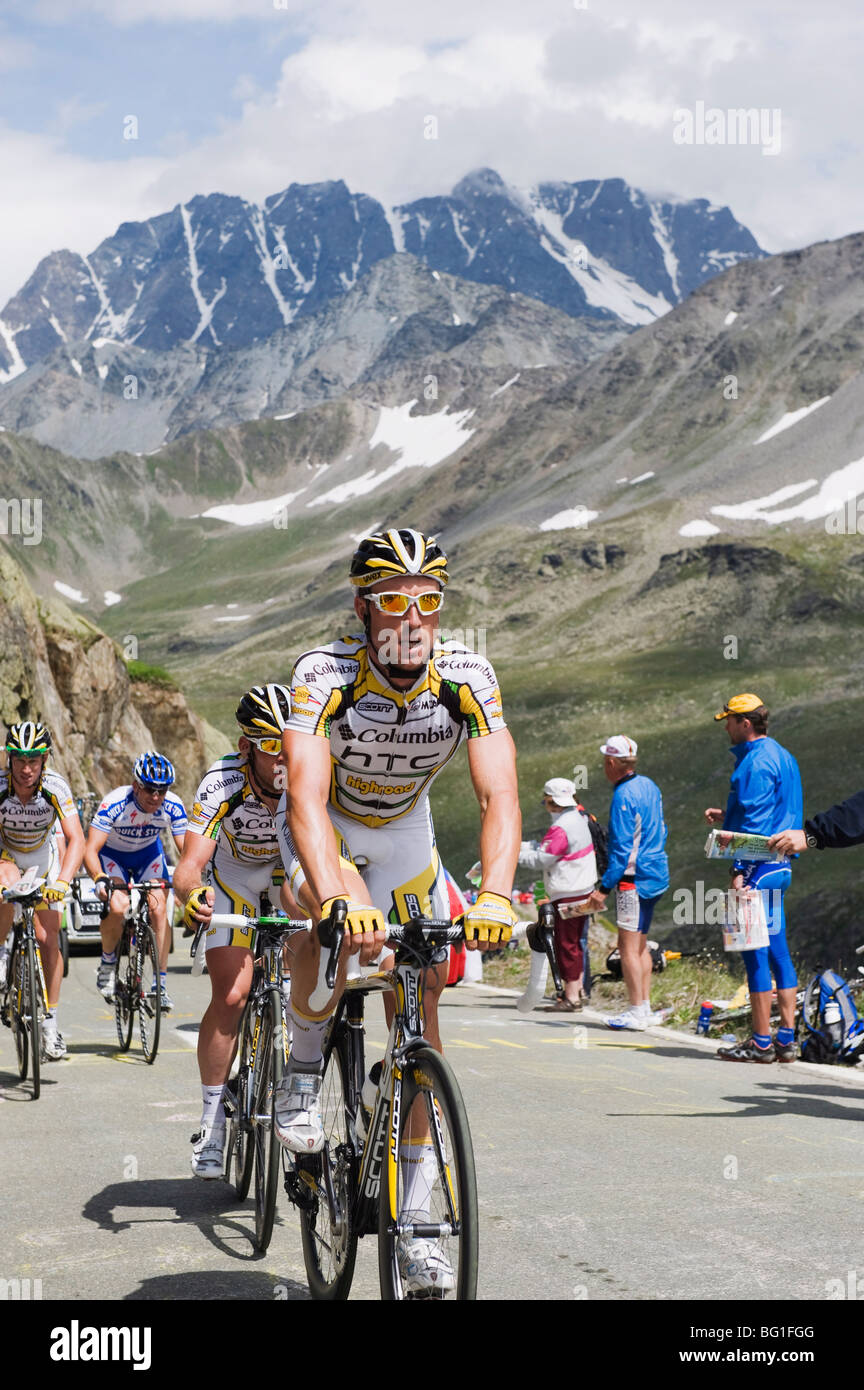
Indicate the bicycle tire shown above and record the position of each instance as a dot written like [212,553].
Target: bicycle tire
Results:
[269,1066]
[149,992]
[30,995]
[124,991]
[17,992]
[240,1146]
[329,1255]
[428,1080]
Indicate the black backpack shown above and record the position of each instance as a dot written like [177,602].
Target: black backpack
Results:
[600,838]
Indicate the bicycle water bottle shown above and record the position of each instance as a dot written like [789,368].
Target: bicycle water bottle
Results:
[834,1023]
[367,1098]
[703,1022]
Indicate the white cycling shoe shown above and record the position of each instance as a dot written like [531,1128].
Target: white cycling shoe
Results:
[106,977]
[53,1046]
[299,1127]
[423,1266]
[208,1153]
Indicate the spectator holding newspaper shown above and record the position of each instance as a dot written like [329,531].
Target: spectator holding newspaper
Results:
[765,798]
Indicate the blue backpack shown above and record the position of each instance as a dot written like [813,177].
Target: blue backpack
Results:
[837,1040]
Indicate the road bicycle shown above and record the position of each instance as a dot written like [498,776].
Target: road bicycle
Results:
[251,1143]
[137,986]
[24,1002]
[401,1166]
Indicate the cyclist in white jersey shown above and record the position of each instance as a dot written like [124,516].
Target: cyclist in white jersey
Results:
[374,719]
[230,859]
[124,845]
[33,801]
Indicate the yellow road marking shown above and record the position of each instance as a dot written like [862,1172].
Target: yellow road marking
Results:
[460,1042]
[504,1043]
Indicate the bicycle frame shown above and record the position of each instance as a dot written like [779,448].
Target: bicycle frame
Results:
[23,930]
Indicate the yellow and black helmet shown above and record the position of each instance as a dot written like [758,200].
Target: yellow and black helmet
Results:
[264,711]
[390,553]
[30,737]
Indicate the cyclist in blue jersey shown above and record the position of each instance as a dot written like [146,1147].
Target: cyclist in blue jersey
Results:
[765,798]
[124,845]
[637,869]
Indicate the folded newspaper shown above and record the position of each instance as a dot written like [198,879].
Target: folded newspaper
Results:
[736,844]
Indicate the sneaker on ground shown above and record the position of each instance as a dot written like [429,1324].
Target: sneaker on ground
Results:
[208,1153]
[106,977]
[423,1266]
[786,1052]
[53,1046]
[299,1127]
[747,1052]
[629,1019]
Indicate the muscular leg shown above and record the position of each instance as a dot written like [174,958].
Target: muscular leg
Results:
[159,916]
[632,946]
[47,926]
[230,971]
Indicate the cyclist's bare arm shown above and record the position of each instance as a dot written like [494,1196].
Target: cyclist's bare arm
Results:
[198,850]
[179,842]
[74,851]
[95,842]
[492,764]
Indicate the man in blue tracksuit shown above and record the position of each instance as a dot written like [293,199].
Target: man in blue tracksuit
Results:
[638,869]
[765,798]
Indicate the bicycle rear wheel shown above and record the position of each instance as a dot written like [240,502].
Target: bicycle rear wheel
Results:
[124,991]
[269,1066]
[240,1146]
[32,1001]
[327,1221]
[436,1190]
[150,993]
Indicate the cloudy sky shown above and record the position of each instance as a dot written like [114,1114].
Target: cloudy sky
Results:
[246,96]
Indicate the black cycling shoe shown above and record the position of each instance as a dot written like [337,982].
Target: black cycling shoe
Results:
[786,1052]
[747,1052]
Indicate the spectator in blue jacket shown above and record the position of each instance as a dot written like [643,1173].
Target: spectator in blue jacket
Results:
[765,798]
[638,869]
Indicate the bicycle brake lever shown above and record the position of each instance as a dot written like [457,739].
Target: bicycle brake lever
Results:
[331,932]
[541,938]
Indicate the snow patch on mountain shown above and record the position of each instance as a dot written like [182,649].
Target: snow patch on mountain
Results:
[572,517]
[790,418]
[251,513]
[698,528]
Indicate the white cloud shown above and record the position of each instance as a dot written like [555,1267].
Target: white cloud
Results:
[550,93]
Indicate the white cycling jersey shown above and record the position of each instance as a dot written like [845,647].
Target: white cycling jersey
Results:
[27,826]
[131,830]
[387,746]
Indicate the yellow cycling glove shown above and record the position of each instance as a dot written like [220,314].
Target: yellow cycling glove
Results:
[490,919]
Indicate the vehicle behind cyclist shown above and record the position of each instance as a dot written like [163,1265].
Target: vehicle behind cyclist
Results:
[34,799]
[124,845]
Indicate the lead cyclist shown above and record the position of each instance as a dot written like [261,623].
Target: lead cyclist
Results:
[374,719]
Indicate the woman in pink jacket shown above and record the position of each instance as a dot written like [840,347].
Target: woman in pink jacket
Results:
[566,859]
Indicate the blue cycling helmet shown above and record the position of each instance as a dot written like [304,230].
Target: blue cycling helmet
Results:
[154,770]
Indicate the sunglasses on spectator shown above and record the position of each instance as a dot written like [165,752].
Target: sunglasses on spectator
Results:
[267,745]
[398,604]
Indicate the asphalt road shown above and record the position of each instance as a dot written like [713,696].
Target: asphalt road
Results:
[610,1166]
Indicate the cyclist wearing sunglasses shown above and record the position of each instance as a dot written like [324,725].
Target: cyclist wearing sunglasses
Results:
[124,845]
[229,860]
[34,800]
[374,719]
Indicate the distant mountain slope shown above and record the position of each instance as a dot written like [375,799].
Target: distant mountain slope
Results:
[221,272]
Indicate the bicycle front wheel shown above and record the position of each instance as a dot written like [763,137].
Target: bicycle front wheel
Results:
[240,1147]
[435,1253]
[327,1218]
[150,992]
[18,1007]
[32,1002]
[269,1066]
[124,992]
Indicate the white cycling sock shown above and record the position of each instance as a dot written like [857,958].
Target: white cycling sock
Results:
[212,1113]
[308,1034]
[419,1168]
[109,957]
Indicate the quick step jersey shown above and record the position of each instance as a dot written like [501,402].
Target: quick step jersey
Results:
[27,826]
[129,829]
[387,746]
[227,809]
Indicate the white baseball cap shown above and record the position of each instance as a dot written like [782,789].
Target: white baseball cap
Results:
[620,746]
[561,790]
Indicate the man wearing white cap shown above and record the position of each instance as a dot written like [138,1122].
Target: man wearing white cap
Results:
[566,858]
[638,869]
